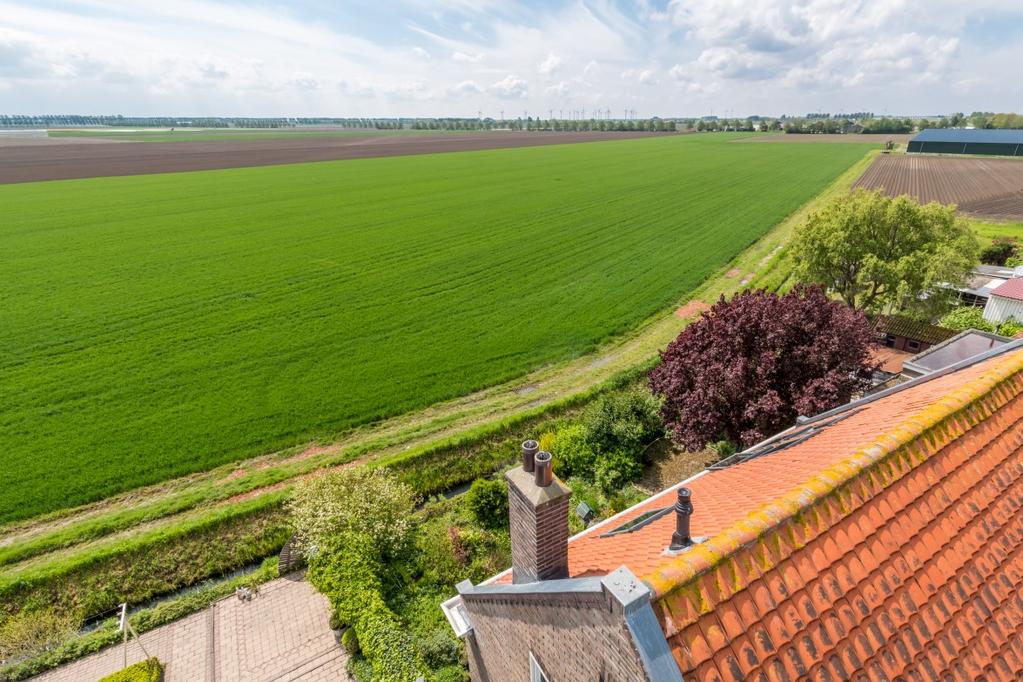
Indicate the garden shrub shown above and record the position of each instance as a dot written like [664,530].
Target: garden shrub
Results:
[451,673]
[627,421]
[487,501]
[346,569]
[439,648]
[547,441]
[573,453]
[31,632]
[360,669]
[966,317]
[615,469]
[369,502]
[1000,250]
[723,448]
[609,444]
[335,622]
[350,642]
[149,670]
[1010,328]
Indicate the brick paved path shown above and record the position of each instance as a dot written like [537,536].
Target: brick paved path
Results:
[281,635]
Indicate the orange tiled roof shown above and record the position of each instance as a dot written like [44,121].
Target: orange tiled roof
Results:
[890,359]
[889,543]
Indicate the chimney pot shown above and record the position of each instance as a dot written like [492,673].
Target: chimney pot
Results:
[529,450]
[681,538]
[543,474]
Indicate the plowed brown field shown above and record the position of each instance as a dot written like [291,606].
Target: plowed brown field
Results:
[34,162]
[986,188]
[852,138]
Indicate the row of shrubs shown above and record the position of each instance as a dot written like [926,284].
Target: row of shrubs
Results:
[971,317]
[1004,251]
[347,570]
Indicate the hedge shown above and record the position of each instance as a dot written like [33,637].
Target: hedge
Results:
[148,670]
[346,571]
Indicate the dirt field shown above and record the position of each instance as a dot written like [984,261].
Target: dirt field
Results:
[985,188]
[32,161]
[879,140]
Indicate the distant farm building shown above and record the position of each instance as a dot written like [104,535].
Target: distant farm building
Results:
[1005,302]
[968,141]
[983,280]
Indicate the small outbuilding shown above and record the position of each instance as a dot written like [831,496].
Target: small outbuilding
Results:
[967,141]
[1005,302]
[906,334]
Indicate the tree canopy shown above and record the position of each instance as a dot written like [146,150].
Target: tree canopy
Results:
[357,500]
[884,254]
[750,365]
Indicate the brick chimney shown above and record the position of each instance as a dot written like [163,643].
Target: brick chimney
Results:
[538,507]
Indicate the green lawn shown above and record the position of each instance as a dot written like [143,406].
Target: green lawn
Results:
[988,231]
[157,325]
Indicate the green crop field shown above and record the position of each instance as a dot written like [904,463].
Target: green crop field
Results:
[157,325]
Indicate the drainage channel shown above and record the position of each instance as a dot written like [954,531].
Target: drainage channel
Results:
[95,621]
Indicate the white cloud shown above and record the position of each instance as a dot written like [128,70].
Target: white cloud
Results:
[510,87]
[641,76]
[551,64]
[467,58]
[420,53]
[559,89]
[465,88]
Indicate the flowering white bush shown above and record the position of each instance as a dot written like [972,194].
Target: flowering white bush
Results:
[371,502]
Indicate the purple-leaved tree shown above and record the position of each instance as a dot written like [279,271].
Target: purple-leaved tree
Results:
[749,366]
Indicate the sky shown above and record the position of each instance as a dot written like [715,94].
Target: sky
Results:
[471,57]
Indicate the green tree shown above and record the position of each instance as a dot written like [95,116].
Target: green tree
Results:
[885,254]
[368,502]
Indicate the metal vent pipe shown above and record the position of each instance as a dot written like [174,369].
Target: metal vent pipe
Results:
[529,450]
[543,476]
[682,538]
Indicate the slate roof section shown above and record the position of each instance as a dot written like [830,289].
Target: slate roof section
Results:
[1012,288]
[886,545]
[897,325]
[963,345]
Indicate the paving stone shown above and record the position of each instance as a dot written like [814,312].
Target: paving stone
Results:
[281,635]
